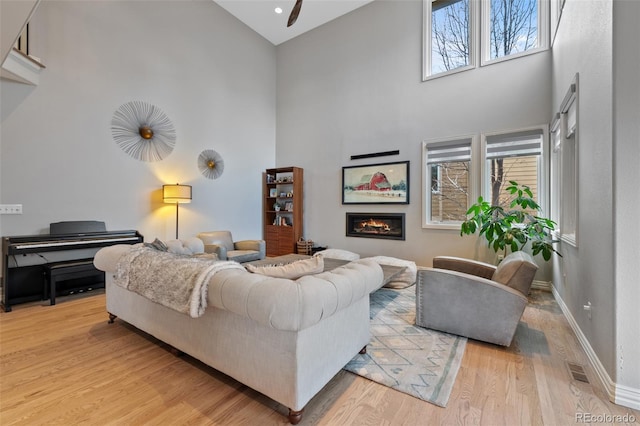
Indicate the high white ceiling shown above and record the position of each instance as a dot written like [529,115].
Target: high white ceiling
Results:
[260,15]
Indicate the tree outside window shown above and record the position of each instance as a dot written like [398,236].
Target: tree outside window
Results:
[449,192]
[450,35]
[513,157]
[513,27]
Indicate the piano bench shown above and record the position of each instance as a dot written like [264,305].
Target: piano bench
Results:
[62,271]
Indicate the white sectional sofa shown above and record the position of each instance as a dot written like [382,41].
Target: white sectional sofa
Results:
[284,338]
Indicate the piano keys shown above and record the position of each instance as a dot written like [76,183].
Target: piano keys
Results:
[28,259]
[73,242]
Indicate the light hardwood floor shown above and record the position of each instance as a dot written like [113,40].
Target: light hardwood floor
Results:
[64,365]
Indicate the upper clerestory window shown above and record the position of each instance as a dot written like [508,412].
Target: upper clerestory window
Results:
[449,36]
[454,30]
[512,28]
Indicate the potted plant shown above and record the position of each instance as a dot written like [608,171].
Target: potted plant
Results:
[513,228]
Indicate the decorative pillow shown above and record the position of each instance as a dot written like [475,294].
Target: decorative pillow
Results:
[338,254]
[293,270]
[516,271]
[405,278]
[158,245]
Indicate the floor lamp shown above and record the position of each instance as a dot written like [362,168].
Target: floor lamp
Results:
[177,194]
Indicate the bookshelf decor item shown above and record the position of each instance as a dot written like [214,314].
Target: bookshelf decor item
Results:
[143,131]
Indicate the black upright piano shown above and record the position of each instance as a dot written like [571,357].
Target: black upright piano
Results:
[30,261]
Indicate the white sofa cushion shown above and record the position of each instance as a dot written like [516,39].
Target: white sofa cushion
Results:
[405,278]
[292,270]
[338,254]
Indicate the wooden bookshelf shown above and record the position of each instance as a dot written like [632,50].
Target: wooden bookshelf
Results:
[283,225]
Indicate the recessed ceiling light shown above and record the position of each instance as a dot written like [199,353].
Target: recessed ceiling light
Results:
[278,10]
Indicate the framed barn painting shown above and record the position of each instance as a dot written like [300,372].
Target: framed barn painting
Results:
[383,183]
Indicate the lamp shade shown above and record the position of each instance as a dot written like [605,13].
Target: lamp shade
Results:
[176,193]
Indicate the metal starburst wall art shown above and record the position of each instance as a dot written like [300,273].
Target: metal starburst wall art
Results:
[211,164]
[143,131]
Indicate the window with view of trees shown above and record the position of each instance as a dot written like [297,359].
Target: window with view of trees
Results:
[513,157]
[451,35]
[513,27]
[447,174]
[508,28]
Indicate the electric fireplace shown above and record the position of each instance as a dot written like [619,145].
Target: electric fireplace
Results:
[376,225]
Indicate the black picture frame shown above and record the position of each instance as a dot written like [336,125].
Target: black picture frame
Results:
[380,183]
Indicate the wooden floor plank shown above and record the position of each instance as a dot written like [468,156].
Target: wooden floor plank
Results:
[65,365]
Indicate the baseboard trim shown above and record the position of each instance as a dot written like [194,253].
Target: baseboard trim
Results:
[618,394]
[628,397]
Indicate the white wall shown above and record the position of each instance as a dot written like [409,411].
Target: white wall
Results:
[583,45]
[13,17]
[353,86]
[212,76]
[626,150]
[598,40]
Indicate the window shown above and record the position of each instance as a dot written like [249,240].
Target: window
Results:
[515,156]
[449,36]
[447,181]
[508,29]
[565,166]
[513,27]
[450,173]
[555,131]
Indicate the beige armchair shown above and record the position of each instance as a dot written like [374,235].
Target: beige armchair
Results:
[221,243]
[475,299]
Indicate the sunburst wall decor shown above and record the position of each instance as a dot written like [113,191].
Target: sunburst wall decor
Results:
[211,164]
[143,131]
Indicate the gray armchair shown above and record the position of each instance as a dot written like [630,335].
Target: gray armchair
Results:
[475,299]
[221,243]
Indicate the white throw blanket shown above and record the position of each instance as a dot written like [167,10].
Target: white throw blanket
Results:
[176,281]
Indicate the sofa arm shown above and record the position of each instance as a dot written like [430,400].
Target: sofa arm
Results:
[469,306]
[467,266]
[257,245]
[106,259]
[220,250]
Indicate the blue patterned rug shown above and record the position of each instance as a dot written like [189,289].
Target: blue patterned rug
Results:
[411,359]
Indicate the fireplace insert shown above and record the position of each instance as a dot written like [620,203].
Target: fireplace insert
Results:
[376,225]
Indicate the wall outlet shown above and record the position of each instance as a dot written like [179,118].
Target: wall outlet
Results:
[10,208]
[587,308]
[500,258]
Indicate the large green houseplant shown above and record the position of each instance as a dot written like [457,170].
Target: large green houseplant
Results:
[513,228]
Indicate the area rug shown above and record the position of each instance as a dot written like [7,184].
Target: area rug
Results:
[411,359]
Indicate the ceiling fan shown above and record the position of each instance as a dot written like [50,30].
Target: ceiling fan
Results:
[294,13]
